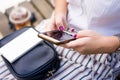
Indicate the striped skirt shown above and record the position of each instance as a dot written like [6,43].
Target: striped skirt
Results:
[75,66]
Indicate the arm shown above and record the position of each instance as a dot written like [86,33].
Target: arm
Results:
[60,13]
[60,7]
[58,18]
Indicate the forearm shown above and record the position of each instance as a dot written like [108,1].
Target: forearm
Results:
[111,43]
[61,7]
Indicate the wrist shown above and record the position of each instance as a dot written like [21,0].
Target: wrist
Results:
[118,47]
[112,43]
[60,15]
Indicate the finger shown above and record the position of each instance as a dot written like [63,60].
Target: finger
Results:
[74,48]
[80,50]
[65,24]
[51,25]
[75,43]
[60,23]
[86,33]
[71,29]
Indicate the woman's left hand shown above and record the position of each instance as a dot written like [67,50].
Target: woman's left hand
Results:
[90,42]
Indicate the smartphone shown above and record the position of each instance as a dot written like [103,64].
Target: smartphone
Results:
[57,37]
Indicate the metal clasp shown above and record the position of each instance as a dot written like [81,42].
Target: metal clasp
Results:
[50,73]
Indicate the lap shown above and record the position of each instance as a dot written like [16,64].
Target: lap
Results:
[76,66]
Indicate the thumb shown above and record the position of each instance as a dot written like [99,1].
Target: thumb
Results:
[83,33]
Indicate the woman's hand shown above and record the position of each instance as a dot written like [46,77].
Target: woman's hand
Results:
[58,19]
[90,42]
[57,22]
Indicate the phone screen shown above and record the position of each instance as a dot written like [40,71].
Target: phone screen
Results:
[59,35]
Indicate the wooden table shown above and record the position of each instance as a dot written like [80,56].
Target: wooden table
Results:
[1,36]
[41,8]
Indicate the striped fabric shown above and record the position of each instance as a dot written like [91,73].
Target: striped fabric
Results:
[75,66]
[4,72]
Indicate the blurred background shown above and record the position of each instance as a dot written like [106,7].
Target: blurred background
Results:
[39,11]
[5,4]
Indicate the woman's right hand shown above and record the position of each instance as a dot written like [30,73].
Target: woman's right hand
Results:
[57,22]
[58,19]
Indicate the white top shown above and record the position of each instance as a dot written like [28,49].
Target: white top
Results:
[103,16]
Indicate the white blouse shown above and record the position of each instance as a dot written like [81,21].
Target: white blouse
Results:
[103,16]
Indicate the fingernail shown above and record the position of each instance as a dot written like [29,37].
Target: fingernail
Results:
[75,36]
[61,28]
[72,30]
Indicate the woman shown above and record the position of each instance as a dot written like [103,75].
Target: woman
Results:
[94,56]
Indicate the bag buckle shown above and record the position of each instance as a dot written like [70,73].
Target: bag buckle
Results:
[50,73]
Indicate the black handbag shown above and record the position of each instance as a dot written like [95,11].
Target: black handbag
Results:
[38,63]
